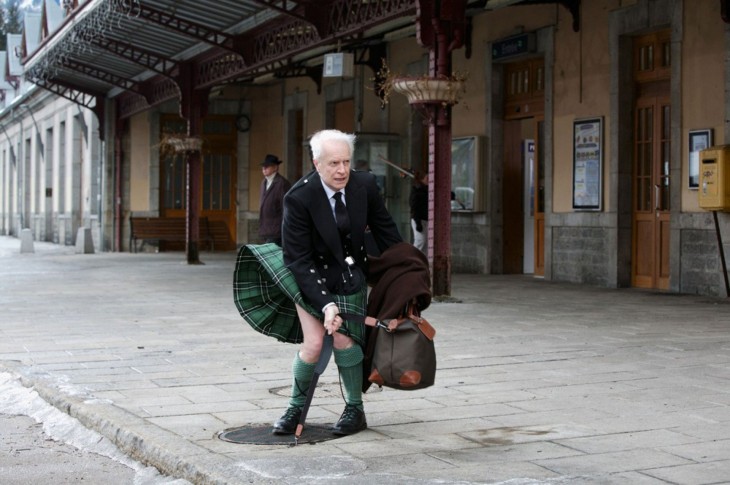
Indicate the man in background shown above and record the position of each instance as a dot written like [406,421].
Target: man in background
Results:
[271,209]
[419,210]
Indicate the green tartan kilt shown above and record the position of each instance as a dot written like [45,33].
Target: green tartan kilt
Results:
[265,292]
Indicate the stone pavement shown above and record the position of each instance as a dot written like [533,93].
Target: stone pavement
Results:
[538,382]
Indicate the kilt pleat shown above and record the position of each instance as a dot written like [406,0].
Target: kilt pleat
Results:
[265,293]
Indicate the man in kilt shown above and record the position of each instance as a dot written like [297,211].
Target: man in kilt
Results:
[324,248]
[299,294]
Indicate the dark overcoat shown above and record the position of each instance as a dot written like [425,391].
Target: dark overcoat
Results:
[271,209]
[312,246]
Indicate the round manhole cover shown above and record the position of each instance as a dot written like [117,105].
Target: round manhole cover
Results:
[260,434]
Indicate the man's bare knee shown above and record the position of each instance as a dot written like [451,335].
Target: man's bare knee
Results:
[309,350]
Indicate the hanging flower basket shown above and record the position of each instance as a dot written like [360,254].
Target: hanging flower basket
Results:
[186,144]
[174,144]
[430,90]
[422,89]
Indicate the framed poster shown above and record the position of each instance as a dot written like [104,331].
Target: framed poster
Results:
[698,141]
[587,164]
[465,191]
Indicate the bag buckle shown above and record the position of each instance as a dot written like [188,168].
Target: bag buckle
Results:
[384,326]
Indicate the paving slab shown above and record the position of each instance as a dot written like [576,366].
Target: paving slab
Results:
[537,382]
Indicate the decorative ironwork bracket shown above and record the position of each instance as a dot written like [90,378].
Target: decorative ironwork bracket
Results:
[92,101]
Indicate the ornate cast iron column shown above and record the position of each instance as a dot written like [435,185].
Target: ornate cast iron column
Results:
[193,107]
[441,28]
[192,212]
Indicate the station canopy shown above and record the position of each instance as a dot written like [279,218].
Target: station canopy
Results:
[145,52]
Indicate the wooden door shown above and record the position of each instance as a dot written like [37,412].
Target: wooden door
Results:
[523,223]
[651,172]
[218,187]
[524,84]
[172,171]
[218,179]
[539,199]
[344,115]
[650,268]
[512,199]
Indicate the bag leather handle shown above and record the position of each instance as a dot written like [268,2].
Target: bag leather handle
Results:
[391,325]
[424,326]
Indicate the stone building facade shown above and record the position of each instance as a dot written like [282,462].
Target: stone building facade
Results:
[615,208]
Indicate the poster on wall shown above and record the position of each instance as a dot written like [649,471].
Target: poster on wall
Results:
[698,141]
[465,155]
[587,164]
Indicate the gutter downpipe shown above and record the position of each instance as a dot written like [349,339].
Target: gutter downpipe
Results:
[117,189]
[21,176]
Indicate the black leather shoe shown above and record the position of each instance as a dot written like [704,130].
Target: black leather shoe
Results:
[287,424]
[351,421]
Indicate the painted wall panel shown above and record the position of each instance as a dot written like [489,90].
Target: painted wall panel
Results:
[139,178]
[703,82]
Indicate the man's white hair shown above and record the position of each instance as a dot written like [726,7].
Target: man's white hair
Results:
[319,138]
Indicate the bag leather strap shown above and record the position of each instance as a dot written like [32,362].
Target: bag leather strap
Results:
[391,325]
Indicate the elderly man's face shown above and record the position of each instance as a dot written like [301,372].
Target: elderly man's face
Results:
[269,169]
[333,164]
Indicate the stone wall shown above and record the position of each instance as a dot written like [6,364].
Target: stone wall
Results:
[701,271]
[580,255]
[469,246]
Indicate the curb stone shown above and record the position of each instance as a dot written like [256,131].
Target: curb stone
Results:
[127,432]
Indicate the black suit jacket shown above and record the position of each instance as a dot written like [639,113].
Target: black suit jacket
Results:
[312,247]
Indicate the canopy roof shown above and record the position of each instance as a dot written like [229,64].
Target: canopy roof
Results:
[148,51]
[145,47]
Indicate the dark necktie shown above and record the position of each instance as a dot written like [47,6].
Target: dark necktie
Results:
[343,219]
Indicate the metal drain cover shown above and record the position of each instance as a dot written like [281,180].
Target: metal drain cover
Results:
[260,434]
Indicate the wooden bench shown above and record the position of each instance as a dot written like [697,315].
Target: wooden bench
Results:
[170,229]
[221,236]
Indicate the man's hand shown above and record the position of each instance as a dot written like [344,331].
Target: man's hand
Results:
[332,320]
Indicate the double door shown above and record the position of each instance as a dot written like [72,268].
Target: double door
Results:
[218,179]
[652,143]
[523,197]
[523,178]
[652,161]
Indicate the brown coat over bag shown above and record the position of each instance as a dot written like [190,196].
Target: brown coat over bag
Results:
[400,351]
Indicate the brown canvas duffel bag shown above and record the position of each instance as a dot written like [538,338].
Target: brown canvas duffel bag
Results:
[400,353]
[404,356]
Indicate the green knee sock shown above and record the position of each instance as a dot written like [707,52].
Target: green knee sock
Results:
[349,363]
[302,372]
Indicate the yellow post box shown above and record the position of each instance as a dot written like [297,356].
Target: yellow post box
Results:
[714,190]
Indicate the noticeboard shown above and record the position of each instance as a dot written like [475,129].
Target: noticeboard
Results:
[587,164]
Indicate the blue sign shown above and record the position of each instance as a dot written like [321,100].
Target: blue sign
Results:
[513,46]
